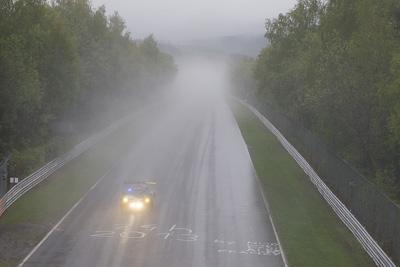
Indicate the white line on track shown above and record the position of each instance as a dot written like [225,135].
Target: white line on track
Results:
[285,262]
[63,218]
[270,218]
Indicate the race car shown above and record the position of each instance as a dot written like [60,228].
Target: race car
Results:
[137,196]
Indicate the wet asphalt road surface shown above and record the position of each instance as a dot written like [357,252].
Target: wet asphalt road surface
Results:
[209,209]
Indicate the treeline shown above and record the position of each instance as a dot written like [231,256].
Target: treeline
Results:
[61,64]
[334,66]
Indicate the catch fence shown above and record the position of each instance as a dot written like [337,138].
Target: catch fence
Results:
[374,210]
[38,176]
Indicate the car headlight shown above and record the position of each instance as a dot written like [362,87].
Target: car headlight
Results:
[147,200]
[125,200]
[137,205]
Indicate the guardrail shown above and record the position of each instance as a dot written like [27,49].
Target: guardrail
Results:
[369,244]
[35,178]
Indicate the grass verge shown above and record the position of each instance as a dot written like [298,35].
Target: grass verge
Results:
[32,216]
[310,232]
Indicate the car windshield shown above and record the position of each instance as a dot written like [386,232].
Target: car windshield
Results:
[135,191]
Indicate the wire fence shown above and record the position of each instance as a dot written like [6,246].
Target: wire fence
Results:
[374,210]
[35,178]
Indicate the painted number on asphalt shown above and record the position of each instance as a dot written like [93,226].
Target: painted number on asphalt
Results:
[186,235]
[178,233]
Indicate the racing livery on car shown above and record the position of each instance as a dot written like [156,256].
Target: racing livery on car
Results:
[137,196]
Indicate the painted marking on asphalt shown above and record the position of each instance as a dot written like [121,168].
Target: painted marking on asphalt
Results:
[151,227]
[253,248]
[188,237]
[103,233]
[175,234]
[65,216]
[122,226]
[132,234]
[166,234]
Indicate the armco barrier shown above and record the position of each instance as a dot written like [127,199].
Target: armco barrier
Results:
[368,243]
[35,178]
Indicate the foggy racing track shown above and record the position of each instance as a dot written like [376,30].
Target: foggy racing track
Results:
[209,209]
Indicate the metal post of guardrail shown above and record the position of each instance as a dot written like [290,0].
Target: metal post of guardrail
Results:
[360,233]
[35,178]
[3,173]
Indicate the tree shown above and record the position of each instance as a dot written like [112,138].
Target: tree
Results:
[330,66]
[242,77]
[149,48]
[61,69]
[21,94]
[66,62]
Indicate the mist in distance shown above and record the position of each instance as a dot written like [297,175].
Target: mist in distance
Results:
[201,78]
[204,24]
[211,24]
[179,21]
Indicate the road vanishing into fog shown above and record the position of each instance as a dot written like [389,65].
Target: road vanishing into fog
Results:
[209,209]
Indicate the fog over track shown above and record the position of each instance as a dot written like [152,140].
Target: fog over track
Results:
[209,209]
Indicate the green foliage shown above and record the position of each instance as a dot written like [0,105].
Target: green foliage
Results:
[391,96]
[149,48]
[159,66]
[310,233]
[334,67]
[386,182]
[61,67]
[64,62]
[242,77]
[21,93]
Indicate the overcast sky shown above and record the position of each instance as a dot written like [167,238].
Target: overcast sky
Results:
[179,20]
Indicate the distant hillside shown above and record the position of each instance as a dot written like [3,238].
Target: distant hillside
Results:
[248,45]
[238,46]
